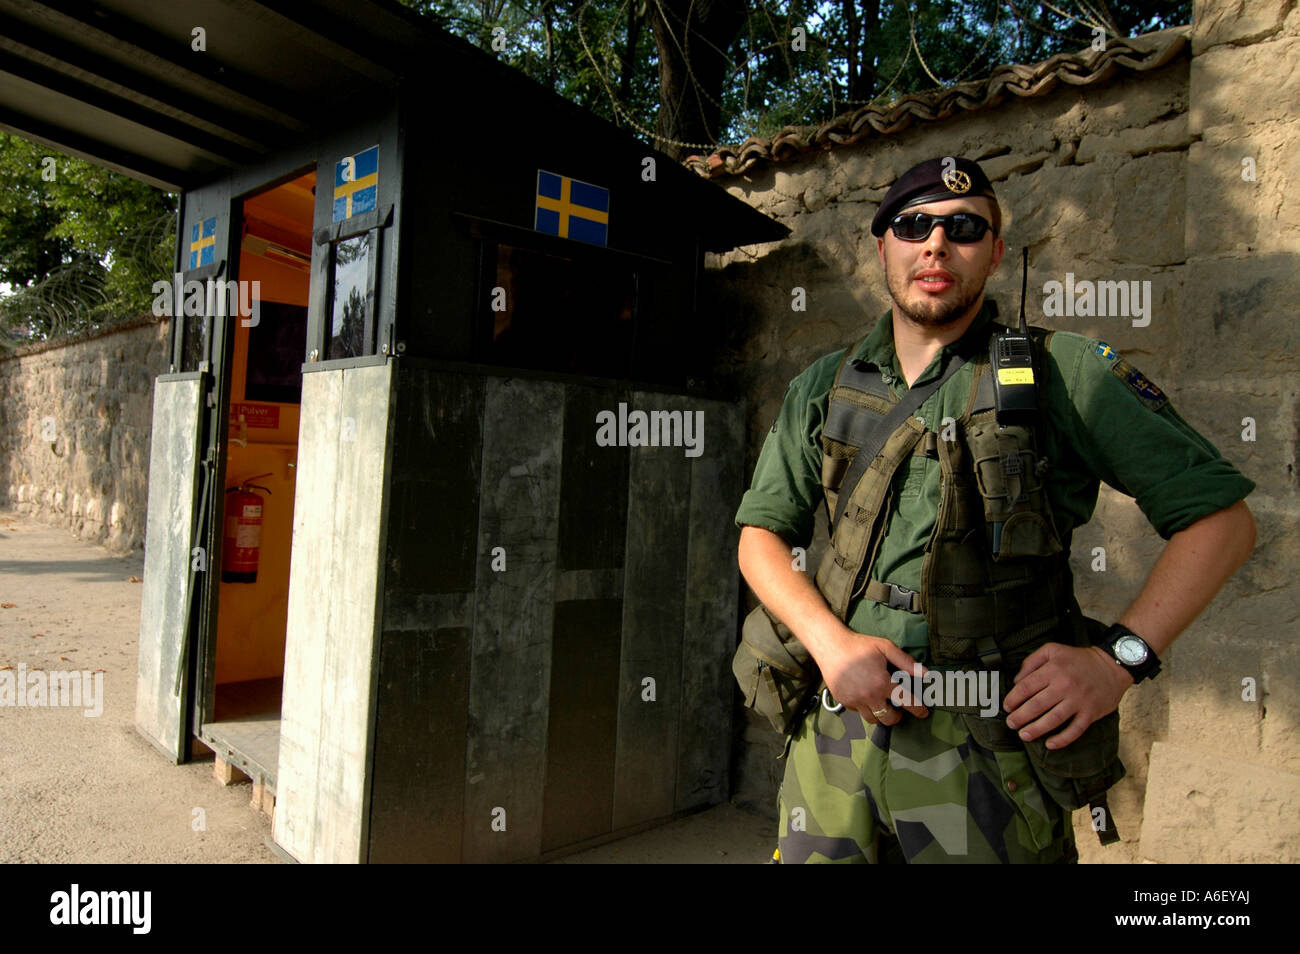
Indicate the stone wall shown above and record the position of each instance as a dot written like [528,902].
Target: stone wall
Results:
[75,423]
[1141,178]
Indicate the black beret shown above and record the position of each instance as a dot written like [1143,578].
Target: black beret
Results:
[931,181]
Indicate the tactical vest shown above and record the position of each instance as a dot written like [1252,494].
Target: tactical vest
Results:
[995,580]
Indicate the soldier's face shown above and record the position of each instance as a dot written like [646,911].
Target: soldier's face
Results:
[936,282]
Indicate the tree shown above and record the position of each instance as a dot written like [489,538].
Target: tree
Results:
[722,70]
[81,246]
[350,340]
[693,37]
[84,247]
[29,248]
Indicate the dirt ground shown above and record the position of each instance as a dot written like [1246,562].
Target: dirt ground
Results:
[89,789]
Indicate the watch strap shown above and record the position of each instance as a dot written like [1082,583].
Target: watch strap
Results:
[1147,669]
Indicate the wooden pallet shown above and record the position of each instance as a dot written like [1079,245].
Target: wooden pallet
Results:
[263,793]
[263,799]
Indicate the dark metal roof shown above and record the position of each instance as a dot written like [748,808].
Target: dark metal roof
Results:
[118,83]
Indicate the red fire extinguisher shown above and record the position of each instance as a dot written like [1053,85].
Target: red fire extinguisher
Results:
[243,533]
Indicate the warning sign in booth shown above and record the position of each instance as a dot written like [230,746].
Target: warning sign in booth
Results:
[255,415]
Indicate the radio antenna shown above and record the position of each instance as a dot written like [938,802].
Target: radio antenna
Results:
[1024,287]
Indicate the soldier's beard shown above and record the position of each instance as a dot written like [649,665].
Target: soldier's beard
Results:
[929,311]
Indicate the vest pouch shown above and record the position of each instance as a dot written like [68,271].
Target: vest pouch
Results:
[1026,534]
[992,733]
[775,672]
[1018,520]
[1083,770]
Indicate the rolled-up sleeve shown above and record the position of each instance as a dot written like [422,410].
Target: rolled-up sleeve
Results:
[1135,441]
[786,490]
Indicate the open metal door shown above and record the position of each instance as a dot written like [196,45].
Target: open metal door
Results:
[177,492]
[336,583]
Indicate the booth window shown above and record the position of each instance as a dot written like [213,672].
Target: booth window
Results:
[351,330]
[555,313]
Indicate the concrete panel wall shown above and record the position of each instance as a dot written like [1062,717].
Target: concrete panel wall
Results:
[330,664]
[567,604]
[174,492]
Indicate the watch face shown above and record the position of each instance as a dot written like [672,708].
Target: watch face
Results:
[1130,650]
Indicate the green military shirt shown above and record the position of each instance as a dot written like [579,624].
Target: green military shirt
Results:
[1104,422]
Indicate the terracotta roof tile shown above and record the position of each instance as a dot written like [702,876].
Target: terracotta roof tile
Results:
[1086,68]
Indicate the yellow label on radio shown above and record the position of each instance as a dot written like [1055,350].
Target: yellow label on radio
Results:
[1015,375]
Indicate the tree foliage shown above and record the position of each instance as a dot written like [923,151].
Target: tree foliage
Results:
[691,74]
[84,248]
[80,246]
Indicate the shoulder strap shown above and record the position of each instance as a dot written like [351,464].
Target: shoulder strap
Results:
[876,436]
[848,422]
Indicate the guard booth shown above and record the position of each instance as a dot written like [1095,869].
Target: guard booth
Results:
[477,597]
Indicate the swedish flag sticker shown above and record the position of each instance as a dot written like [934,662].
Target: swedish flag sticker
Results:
[203,242]
[572,209]
[356,184]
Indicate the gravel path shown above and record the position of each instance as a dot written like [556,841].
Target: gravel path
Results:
[88,789]
[79,789]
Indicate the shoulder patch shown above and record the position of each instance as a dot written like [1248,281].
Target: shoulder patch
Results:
[1106,351]
[1143,387]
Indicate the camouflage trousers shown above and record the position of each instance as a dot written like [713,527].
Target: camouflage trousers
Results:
[920,792]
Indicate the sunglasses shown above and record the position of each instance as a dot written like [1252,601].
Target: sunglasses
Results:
[960,227]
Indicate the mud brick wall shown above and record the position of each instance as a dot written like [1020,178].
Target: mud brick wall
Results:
[1144,179]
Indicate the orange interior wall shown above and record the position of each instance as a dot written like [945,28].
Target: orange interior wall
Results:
[251,617]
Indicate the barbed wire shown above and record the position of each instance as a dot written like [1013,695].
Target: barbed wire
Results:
[1028,21]
[77,294]
[911,29]
[683,34]
[1098,22]
[806,96]
[988,37]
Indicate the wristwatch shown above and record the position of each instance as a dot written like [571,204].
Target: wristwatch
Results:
[1131,651]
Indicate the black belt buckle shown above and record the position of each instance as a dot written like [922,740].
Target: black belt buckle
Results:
[900,597]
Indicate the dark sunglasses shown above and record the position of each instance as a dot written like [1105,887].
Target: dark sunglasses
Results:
[960,227]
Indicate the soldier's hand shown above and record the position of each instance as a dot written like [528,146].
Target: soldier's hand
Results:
[1061,685]
[857,674]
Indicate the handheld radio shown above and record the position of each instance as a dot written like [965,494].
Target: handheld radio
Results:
[1012,364]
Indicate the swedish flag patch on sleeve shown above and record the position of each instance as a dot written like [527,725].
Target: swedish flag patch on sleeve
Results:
[1143,387]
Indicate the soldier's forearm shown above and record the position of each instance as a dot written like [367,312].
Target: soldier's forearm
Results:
[1193,566]
[767,565]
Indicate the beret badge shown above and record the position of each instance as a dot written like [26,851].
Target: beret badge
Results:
[956,181]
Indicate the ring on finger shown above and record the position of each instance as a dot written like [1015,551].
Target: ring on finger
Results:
[881,712]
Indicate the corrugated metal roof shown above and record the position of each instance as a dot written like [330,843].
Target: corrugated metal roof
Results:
[118,82]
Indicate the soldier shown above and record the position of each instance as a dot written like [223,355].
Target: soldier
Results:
[950,551]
